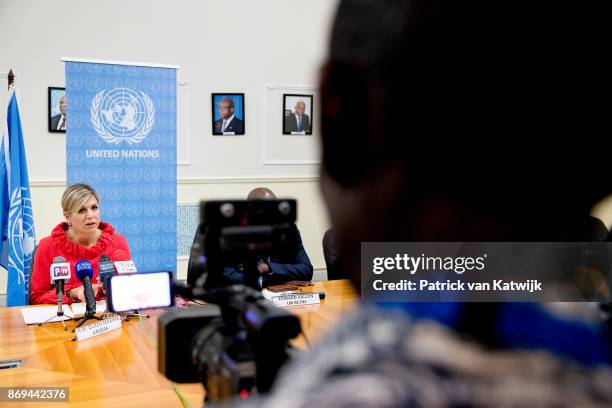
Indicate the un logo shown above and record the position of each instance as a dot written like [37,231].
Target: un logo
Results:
[122,114]
[21,228]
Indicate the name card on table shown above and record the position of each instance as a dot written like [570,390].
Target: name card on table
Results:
[96,329]
[295,299]
[125,267]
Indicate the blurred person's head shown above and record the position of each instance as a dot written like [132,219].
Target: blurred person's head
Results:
[455,121]
[261,193]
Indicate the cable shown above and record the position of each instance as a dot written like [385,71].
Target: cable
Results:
[180,396]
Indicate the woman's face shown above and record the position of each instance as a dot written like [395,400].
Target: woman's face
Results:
[86,219]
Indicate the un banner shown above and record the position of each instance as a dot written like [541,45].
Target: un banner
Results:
[121,139]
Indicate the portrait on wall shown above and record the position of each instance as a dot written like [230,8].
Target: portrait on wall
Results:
[297,114]
[57,110]
[228,114]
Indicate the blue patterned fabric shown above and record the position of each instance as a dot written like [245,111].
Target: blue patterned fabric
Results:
[121,139]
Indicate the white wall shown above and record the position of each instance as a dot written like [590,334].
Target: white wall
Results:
[221,46]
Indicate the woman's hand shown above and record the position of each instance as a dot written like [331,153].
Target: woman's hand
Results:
[77,294]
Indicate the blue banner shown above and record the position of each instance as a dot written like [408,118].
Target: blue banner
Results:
[16,219]
[121,140]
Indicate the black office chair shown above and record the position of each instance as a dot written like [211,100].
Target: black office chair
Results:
[197,261]
[335,270]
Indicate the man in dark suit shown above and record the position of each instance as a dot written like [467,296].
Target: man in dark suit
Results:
[58,122]
[275,270]
[228,123]
[298,121]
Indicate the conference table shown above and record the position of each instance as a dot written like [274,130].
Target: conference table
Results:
[119,368]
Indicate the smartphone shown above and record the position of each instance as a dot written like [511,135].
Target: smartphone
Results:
[136,291]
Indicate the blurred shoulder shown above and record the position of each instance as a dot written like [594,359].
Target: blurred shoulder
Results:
[414,362]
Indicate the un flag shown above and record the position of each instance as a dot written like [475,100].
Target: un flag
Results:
[16,220]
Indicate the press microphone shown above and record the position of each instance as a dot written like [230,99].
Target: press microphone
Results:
[60,273]
[106,269]
[84,272]
[123,263]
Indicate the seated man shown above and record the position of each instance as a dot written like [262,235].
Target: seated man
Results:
[273,270]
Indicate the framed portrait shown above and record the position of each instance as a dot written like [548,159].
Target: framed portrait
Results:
[228,114]
[57,110]
[279,146]
[297,114]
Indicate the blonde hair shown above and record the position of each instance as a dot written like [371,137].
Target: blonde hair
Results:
[76,195]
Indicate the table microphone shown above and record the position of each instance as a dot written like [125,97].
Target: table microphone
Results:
[106,269]
[60,273]
[85,273]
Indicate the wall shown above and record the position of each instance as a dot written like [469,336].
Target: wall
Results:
[229,46]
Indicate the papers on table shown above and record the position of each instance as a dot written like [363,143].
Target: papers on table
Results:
[41,314]
[48,313]
[78,309]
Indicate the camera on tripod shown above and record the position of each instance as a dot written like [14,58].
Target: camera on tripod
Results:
[237,344]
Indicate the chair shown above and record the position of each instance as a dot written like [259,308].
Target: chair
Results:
[30,273]
[335,270]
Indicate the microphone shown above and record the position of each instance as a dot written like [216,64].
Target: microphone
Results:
[123,263]
[84,272]
[60,273]
[106,269]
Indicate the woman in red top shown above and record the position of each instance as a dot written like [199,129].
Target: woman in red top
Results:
[81,236]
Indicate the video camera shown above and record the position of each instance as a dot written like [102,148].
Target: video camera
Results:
[237,344]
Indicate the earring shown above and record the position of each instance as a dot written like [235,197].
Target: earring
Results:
[69,224]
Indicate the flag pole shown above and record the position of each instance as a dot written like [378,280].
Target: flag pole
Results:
[11,78]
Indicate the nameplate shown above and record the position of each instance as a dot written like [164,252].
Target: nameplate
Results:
[296,299]
[96,329]
[125,267]
[60,271]
[229,133]
[299,133]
